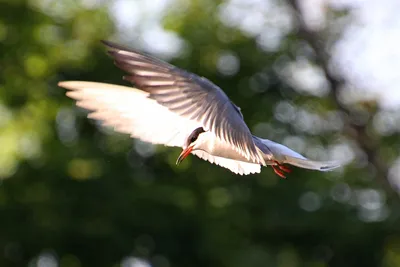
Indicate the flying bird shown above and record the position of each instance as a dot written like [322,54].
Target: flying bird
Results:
[173,107]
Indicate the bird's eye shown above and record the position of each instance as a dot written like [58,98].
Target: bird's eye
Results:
[193,138]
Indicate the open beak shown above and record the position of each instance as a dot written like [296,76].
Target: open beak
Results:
[184,154]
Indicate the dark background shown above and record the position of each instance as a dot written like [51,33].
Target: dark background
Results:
[75,194]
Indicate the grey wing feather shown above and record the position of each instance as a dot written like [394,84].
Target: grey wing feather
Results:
[188,95]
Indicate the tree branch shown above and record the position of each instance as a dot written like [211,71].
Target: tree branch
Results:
[356,131]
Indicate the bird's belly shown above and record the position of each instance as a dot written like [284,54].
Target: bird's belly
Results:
[229,153]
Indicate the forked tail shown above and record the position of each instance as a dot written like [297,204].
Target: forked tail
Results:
[278,155]
[312,164]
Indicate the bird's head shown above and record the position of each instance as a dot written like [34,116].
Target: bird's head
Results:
[193,142]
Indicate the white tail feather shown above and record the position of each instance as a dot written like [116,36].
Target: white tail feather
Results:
[312,164]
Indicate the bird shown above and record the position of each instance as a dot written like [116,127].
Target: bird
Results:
[170,106]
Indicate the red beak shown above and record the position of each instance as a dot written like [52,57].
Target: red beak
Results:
[184,154]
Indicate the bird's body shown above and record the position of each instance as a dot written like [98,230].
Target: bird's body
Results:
[173,107]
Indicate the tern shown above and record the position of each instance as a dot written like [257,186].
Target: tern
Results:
[176,108]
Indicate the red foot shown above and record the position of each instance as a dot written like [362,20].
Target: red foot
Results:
[280,170]
[284,168]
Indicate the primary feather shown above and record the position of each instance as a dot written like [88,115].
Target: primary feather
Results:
[130,111]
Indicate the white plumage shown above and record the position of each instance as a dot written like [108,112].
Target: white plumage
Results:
[130,111]
[173,107]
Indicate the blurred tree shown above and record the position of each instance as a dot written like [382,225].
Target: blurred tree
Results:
[76,194]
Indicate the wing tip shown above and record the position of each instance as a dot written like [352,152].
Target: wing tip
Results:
[78,85]
[112,45]
[106,42]
[70,85]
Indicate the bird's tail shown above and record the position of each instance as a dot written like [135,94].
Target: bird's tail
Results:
[312,164]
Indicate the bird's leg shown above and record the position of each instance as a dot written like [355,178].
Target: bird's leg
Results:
[284,168]
[280,169]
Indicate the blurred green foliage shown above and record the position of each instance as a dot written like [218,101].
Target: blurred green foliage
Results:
[73,194]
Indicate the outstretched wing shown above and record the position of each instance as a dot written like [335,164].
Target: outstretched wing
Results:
[130,111]
[189,96]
